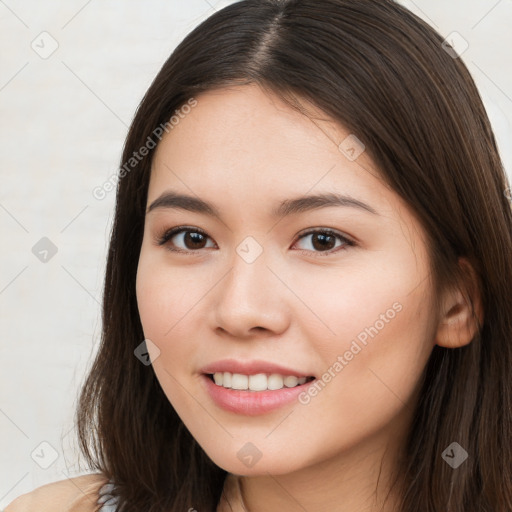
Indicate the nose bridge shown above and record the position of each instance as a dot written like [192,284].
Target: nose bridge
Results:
[248,282]
[250,294]
[249,268]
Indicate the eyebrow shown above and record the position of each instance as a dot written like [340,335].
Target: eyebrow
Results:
[174,200]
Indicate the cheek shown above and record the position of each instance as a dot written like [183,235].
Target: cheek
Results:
[163,296]
[163,303]
[167,299]
[376,334]
[363,302]
[150,300]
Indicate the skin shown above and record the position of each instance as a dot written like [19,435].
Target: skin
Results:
[245,150]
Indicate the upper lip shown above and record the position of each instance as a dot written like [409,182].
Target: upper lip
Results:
[251,368]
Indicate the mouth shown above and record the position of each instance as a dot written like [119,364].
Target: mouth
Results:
[257,382]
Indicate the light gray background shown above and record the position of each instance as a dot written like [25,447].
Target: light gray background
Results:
[63,123]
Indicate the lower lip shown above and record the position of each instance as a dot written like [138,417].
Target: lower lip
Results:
[252,403]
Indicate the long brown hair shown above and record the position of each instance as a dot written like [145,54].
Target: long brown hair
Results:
[384,74]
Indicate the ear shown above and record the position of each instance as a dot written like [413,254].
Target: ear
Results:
[458,324]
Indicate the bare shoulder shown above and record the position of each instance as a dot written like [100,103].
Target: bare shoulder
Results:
[69,495]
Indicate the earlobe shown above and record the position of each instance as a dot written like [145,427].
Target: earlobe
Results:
[459,323]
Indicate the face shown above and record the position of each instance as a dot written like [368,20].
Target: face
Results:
[329,300]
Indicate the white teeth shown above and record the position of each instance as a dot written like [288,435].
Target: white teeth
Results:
[290,381]
[275,381]
[258,382]
[225,379]
[239,381]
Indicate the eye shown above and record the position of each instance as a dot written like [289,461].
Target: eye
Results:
[193,238]
[323,240]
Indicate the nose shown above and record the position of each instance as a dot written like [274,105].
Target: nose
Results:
[251,300]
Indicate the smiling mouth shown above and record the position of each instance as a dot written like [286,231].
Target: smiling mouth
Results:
[257,382]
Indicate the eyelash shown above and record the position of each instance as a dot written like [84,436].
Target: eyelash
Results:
[170,233]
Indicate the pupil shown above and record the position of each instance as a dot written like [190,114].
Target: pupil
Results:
[323,238]
[193,238]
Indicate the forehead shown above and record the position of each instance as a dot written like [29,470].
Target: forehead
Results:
[239,143]
[250,121]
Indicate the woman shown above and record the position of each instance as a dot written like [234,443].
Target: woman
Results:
[341,340]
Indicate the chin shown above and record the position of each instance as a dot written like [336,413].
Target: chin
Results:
[246,461]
